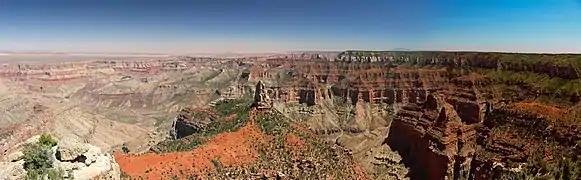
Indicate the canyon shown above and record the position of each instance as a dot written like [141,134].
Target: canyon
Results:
[386,114]
[451,116]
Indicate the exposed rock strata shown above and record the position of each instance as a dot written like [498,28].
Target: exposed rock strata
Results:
[443,127]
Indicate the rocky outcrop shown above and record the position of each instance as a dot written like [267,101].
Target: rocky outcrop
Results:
[190,121]
[84,161]
[436,132]
[261,98]
[76,160]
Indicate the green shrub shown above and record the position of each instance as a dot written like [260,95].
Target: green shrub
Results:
[52,174]
[47,140]
[272,123]
[38,159]
[37,156]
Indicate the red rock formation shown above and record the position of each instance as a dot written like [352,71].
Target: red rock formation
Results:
[433,130]
[443,121]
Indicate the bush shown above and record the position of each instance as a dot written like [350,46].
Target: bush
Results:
[272,123]
[47,140]
[38,159]
[37,156]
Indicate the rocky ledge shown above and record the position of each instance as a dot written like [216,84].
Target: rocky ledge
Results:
[76,160]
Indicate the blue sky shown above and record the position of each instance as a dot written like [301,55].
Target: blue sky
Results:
[196,26]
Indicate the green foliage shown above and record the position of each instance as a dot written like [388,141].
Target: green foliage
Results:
[253,169]
[563,166]
[272,123]
[47,140]
[239,107]
[56,174]
[236,106]
[38,159]
[37,156]
[52,174]
[283,76]
[176,146]
[536,81]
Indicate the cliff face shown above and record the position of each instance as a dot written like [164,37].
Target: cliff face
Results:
[434,140]
[311,82]
[191,121]
[555,65]
[451,119]
[79,70]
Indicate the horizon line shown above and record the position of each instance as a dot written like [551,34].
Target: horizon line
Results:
[88,53]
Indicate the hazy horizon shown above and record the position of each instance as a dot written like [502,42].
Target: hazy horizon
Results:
[259,26]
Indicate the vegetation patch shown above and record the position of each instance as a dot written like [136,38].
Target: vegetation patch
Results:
[291,152]
[38,159]
[227,108]
[230,116]
[541,82]
[272,123]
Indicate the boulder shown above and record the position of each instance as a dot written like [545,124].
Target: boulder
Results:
[92,154]
[86,161]
[70,150]
[103,166]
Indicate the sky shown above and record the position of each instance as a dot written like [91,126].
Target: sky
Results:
[253,26]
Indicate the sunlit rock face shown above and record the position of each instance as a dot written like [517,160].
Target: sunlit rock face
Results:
[446,109]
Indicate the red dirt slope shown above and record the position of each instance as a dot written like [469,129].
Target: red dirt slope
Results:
[231,149]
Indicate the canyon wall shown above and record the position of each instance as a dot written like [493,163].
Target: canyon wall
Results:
[449,122]
[79,70]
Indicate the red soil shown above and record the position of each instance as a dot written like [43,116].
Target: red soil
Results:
[361,174]
[230,148]
[294,141]
[540,109]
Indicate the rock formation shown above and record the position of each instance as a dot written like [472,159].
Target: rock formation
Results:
[85,161]
[261,98]
[76,160]
[449,122]
[191,121]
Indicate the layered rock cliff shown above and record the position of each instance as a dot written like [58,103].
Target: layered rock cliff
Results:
[457,115]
